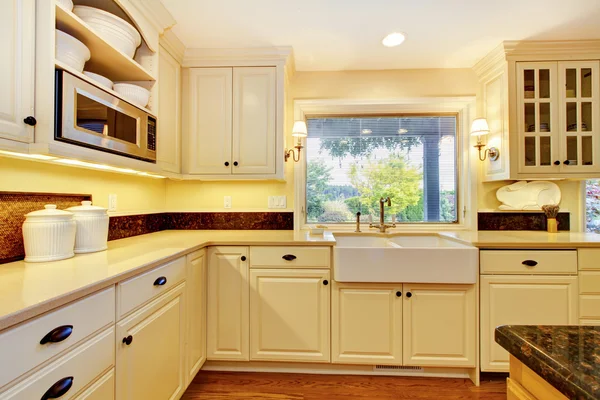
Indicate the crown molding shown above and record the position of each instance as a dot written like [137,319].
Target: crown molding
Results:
[552,48]
[195,57]
[173,45]
[156,13]
[492,61]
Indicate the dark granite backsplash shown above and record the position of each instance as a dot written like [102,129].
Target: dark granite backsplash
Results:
[519,221]
[13,207]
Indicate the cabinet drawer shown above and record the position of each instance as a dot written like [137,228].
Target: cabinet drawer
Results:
[589,259]
[295,257]
[528,262]
[136,291]
[589,282]
[21,348]
[83,365]
[102,389]
[589,306]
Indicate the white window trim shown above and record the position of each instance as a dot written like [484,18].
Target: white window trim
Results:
[467,162]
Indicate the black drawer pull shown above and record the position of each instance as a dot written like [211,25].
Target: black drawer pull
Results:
[127,340]
[235,163]
[161,280]
[408,294]
[398,294]
[325,282]
[530,263]
[289,257]
[227,163]
[59,389]
[31,121]
[57,335]
[243,258]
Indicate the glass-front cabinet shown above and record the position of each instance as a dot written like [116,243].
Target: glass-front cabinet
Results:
[557,107]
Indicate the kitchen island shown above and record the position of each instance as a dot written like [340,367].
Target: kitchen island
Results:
[552,362]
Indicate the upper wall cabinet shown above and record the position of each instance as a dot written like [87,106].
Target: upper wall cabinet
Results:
[17,46]
[232,122]
[542,110]
[168,141]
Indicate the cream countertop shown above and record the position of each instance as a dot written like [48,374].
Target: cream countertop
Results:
[30,289]
[522,239]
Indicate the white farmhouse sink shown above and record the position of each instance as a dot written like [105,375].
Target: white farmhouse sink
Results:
[401,258]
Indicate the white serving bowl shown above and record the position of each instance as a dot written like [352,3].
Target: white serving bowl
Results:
[133,93]
[71,51]
[92,227]
[102,80]
[117,32]
[48,235]
[68,4]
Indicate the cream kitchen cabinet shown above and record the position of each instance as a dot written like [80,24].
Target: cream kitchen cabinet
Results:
[366,323]
[439,325]
[17,81]
[149,349]
[168,141]
[522,300]
[289,314]
[542,108]
[408,324]
[228,324]
[196,313]
[589,286]
[233,123]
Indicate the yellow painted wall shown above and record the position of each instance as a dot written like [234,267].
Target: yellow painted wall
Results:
[134,193]
[203,196]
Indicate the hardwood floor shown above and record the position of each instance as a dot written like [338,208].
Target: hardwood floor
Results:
[246,386]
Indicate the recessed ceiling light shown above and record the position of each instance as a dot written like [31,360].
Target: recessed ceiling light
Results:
[393,39]
[366,131]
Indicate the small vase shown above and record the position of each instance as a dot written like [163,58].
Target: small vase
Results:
[552,225]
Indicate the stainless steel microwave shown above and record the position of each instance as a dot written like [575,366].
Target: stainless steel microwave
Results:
[91,117]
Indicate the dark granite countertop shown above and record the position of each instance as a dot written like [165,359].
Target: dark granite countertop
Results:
[567,357]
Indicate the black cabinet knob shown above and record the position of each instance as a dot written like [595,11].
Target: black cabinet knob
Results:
[127,340]
[59,389]
[243,258]
[408,294]
[556,162]
[289,257]
[161,280]
[30,121]
[227,163]
[530,263]
[325,282]
[235,163]
[57,335]
[398,294]
[566,162]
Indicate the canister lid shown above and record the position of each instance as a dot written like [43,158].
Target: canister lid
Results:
[87,207]
[49,212]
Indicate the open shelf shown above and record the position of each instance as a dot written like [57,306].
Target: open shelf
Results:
[106,60]
[89,80]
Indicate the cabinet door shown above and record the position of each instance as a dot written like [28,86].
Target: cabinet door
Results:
[440,325]
[228,322]
[168,147]
[579,110]
[537,107]
[289,314]
[17,46]
[522,300]
[209,121]
[196,313]
[254,120]
[152,365]
[366,324]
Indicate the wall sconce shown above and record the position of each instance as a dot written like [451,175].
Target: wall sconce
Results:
[479,128]
[299,131]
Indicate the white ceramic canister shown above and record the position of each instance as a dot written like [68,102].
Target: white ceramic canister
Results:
[48,234]
[92,227]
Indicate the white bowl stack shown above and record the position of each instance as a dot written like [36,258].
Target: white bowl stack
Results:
[117,32]
[71,51]
[48,235]
[102,80]
[92,227]
[134,93]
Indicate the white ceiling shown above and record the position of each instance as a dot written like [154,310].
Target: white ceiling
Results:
[346,34]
